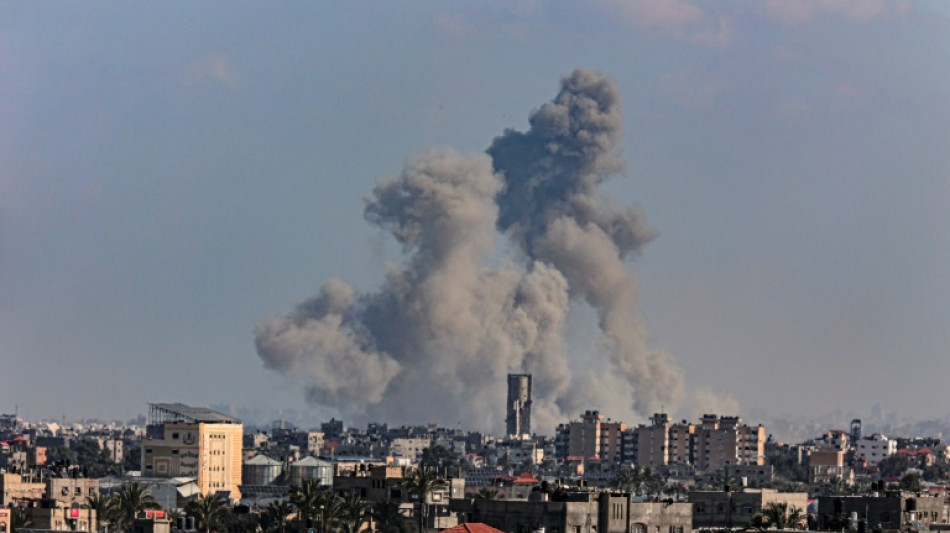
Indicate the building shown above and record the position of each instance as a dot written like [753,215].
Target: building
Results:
[875,448]
[724,441]
[735,509]
[580,512]
[6,519]
[890,511]
[518,420]
[681,442]
[409,448]
[185,441]
[827,465]
[15,488]
[73,518]
[581,438]
[66,491]
[653,442]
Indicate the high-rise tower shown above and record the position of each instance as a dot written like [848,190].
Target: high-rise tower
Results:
[519,404]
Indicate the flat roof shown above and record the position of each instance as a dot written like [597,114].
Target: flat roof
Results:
[160,413]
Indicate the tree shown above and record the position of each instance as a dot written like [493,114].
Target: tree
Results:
[306,499]
[131,499]
[388,518]
[19,520]
[352,513]
[894,465]
[330,511]
[209,511]
[487,493]
[777,515]
[274,517]
[910,482]
[439,456]
[105,508]
[935,473]
[422,482]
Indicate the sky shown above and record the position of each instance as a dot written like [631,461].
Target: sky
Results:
[175,174]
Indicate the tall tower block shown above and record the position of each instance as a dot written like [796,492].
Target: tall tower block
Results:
[519,404]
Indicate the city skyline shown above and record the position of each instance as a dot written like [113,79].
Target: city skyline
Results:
[172,177]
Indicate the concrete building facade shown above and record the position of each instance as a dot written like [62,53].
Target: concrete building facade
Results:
[518,407]
[188,441]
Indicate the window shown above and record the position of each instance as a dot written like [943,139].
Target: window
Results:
[174,435]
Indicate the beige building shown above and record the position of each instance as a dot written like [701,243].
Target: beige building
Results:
[6,519]
[611,439]
[17,487]
[725,441]
[653,442]
[72,518]
[68,490]
[185,441]
[735,509]
[681,443]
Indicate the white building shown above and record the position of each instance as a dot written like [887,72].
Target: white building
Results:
[876,448]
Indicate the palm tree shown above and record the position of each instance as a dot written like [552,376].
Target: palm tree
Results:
[209,511]
[422,482]
[330,511]
[306,498]
[777,515]
[274,517]
[353,513]
[104,506]
[388,518]
[132,499]
[487,493]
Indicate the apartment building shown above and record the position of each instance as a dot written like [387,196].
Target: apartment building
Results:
[183,441]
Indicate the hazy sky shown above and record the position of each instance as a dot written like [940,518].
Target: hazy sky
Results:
[174,173]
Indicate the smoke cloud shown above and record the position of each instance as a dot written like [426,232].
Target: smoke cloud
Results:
[435,341]
[551,209]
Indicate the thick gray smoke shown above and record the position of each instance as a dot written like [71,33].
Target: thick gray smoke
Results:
[551,208]
[436,340]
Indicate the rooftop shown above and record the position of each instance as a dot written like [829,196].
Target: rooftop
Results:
[160,413]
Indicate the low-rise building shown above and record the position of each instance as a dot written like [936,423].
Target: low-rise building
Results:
[579,512]
[888,511]
[735,509]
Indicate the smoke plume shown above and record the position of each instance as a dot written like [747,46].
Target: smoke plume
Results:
[550,207]
[435,341]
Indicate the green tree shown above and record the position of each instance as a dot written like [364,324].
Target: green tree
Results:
[439,456]
[105,508]
[422,482]
[487,493]
[275,515]
[19,519]
[131,499]
[209,511]
[353,513]
[388,518]
[894,465]
[910,482]
[777,515]
[935,473]
[330,511]
[306,498]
